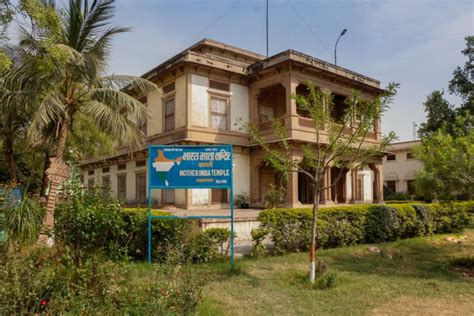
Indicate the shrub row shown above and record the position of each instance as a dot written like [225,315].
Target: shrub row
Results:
[89,224]
[42,281]
[289,229]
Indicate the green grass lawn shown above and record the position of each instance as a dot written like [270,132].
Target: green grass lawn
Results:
[414,276]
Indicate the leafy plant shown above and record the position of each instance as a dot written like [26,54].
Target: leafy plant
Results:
[44,281]
[22,222]
[88,224]
[243,200]
[273,196]
[258,235]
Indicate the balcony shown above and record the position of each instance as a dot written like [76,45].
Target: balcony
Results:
[273,103]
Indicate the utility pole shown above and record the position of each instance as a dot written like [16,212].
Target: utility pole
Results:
[267,26]
[414,130]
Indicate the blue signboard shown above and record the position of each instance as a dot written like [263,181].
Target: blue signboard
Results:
[175,167]
[190,167]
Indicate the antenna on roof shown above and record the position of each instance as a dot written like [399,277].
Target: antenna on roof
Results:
[267,25]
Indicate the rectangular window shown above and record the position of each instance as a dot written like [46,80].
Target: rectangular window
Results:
[168,88]
[122,187]
[219,113]
[391,157]
[90,172]
[105,186]
[219,85]
[90,184]
[392,185]
[168,196]
[140,163]
[105,170]
[106,182]
[410,156]
[169,115]
[411,187]
[122,166]
[140,185]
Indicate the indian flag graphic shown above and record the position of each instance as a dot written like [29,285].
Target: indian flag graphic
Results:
[163,165]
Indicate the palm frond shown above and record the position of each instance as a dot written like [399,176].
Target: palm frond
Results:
[122,102]
[96,21]
[126,83]
[99,51]
[51,109]
[110,120]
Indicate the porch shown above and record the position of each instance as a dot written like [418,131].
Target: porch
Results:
[344,186]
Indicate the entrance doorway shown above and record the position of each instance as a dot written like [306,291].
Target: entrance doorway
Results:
[338,192]
[219,196]
[305,189]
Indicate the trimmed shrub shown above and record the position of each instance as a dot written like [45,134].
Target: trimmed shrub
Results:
[258,235]
[89,224]
[289,228]
[341,226]
[338,226]
[449,217]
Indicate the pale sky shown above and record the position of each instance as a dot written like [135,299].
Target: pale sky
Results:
[416,43]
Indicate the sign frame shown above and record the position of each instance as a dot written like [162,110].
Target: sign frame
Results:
[229,186]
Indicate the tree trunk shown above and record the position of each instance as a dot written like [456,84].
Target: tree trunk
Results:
[312,246]
[10,160]
[44,178]
[49,216]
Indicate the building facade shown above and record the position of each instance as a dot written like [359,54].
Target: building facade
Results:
[205,95]
[400,167]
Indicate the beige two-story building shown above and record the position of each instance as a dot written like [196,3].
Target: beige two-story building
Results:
[400,167]
[206,92]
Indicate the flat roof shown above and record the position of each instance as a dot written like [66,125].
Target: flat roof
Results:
[260,61]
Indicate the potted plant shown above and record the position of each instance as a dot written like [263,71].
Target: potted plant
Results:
[243,200]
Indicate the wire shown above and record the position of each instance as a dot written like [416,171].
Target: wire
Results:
[214,22]
[302,19]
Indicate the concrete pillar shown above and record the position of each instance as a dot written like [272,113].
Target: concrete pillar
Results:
[254,110]
[290,87]
[353,185]
[378,185]
[292,190]
[291,120]
[188,199]
[327,194]
[255,184]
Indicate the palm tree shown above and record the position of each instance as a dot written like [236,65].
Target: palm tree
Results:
[74,85]
[17,101]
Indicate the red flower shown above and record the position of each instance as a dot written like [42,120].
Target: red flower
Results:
[43,302]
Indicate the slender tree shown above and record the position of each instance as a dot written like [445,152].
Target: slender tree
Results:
[448,163]
[341,143]
[462,83]
[439,112]
[73,49]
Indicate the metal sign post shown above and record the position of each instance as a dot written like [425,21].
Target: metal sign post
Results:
[190,167]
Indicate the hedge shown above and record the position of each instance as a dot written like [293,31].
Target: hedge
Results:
[87,225]
[289,229]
